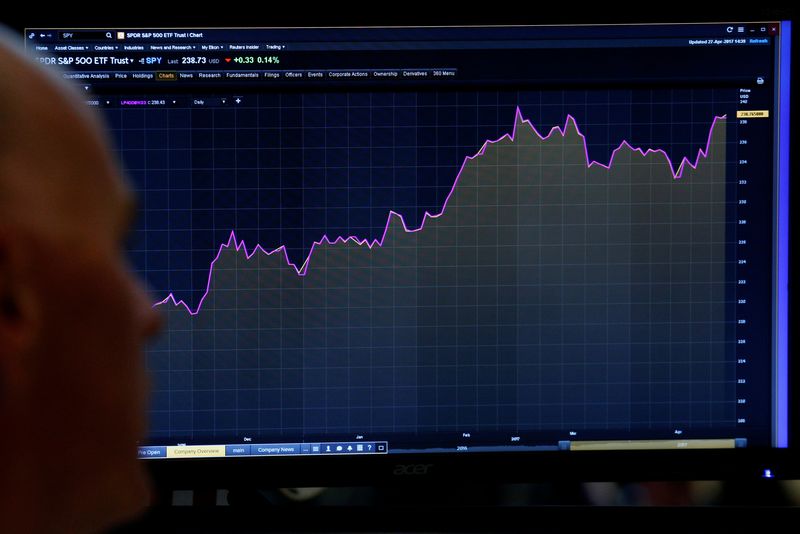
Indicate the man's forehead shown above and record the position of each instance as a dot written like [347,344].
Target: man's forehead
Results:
[61,171]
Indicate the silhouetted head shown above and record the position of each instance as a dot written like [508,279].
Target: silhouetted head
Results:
[73,318]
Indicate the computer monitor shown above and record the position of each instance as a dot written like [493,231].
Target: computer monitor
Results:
[401,253]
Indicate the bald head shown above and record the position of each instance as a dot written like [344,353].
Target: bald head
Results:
[53,158]
[73,317]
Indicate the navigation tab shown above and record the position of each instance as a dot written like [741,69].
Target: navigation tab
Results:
[237,450]
[170,48]
[244,47]
[166,76]
[348,74]
[444,73]
[86,75]
[315,74]
[152,452]
[241,74]
[196,451]
[386,73]
[294,74]
[70,48]
[275,449]
[270,75]
[416,73]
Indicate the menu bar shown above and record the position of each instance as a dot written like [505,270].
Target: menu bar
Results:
[345,75]
[265,449]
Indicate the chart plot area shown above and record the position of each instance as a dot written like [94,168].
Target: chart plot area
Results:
[549,292]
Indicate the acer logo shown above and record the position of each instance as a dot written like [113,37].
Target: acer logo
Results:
[412,469]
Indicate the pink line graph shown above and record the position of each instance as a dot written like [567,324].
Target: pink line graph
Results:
[302,270]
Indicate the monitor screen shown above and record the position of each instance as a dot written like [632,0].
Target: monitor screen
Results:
[538,240]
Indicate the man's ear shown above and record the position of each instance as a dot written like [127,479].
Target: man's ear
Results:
[17,311]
